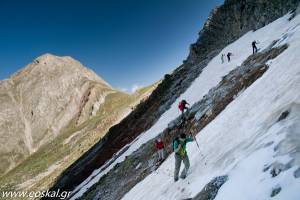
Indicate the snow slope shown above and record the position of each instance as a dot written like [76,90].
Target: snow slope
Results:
[246,137]
[224,129]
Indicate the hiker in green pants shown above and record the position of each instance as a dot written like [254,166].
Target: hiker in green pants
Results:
[179,147]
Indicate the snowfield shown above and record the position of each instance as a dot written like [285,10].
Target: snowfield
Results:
[245,138]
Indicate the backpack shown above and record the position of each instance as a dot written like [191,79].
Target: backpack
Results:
[182,151]
[182,104]
[159,145]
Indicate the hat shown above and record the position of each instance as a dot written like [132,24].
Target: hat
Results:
[182,135]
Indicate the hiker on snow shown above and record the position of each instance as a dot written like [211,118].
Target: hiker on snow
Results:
[160,149]
[254,48]
[179,147]
[228,56]
[183,106]
[222,57]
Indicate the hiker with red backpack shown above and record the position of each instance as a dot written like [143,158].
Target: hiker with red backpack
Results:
[183,106]
[160,149]
[179,147]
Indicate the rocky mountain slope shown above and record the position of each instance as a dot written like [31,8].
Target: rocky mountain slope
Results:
[52,111]
[246,129]
[225,24]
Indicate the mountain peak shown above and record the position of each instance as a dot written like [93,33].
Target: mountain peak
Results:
[49,64]
[48,57]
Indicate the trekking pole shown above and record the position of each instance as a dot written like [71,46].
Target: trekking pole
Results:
[199,148]
[194,137]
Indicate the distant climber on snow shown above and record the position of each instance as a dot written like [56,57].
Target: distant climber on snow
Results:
[179,147]
[228,56]
[160,149]
[183,106]
[222,57]
[254,48]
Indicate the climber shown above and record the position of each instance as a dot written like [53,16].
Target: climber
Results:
[179,147]
[228,56]
[254,48]
[183,106]
[159,144]
[222,57]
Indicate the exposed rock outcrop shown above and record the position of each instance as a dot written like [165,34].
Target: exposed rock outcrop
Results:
[210,191]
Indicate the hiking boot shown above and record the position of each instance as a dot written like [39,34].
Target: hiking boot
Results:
[176,179]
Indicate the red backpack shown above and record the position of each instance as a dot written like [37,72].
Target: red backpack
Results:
[181,106]
[159,145]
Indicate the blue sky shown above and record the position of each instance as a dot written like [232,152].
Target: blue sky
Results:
[129,43]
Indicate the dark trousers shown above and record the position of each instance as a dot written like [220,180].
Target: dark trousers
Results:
[254,48]
[184,112]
